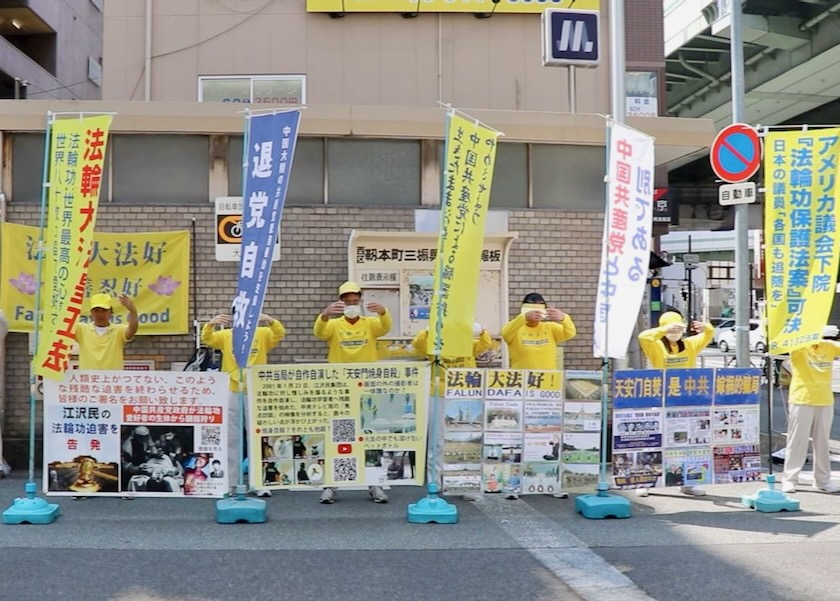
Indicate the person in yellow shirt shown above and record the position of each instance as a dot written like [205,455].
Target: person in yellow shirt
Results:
[533,335]
[267,336]
[482,342]
[100,342]
[351,338]
[665,348]
[811,412]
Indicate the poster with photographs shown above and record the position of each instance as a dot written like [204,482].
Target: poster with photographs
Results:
[339,424]
[687,467]
[697,426]
[130,433]
[504,443]
[737,463]
[637,429]
[688,427]
[735,425]
[637,469]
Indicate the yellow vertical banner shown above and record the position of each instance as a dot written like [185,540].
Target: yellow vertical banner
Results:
[76,158]
[152,268]
[800,230]
[470,156]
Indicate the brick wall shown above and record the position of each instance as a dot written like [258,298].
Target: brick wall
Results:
[556,254]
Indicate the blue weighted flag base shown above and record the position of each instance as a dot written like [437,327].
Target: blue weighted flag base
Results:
[31,509]
[432,508]
[240,509]
[770,500]
[602,505]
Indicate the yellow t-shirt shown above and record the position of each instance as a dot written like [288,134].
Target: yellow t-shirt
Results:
[265,339]
[101,351]
[811,370]
[480,345]
[535,347]
[352,342]
[653,343]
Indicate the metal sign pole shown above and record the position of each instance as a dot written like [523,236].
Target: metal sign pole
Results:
[743,310]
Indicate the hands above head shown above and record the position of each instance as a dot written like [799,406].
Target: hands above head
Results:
[697,327]
[126,302]
[220,320]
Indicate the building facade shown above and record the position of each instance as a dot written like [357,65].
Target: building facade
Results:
[51,49]
[178,77]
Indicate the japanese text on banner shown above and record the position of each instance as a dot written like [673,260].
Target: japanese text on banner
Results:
[150,267]
[342,424]
[76,156]
[625,253]
[141,433]
[800,230]
[271,140]
[470,158]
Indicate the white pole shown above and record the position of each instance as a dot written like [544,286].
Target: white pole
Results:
[147,65]
[742,251]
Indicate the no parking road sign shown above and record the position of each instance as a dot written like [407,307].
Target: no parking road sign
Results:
[736,153]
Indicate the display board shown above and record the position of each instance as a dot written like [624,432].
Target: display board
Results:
[396,270]
[507,429]
[139,433]
[339,424]
[685,427]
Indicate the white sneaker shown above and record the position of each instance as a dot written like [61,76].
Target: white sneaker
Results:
[377,494]
[788,487]
[694,491]
[263,493]
[829,488]
[561,495]
[642,492]
[328,496]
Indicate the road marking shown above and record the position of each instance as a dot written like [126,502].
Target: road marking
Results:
[567,556]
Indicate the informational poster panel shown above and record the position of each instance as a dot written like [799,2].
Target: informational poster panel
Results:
[685,427]
[139,433]
[339,424]
[504,431]
[582,415]
[396,269]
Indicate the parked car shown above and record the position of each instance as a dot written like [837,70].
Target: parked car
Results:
[757,338]
[721,326]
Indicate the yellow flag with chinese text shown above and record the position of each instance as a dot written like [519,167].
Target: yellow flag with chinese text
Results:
[470,156]
[800,231]
[76,159]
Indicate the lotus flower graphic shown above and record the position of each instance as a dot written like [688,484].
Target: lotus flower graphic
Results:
[164,286]
[25,283]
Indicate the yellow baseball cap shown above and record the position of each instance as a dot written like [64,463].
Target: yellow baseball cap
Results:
[348,288]
[669,318]
[101,301]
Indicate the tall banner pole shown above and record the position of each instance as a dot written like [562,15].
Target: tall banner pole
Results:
[34,509]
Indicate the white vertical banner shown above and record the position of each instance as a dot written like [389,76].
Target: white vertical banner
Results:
[625,252]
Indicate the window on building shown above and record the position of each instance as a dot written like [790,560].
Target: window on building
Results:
[509,189]
[28,169]
[259,89]
[568,177]
[161,169]
[373,172]
[306,185]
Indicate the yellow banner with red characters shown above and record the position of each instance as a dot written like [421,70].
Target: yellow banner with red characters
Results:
[76,159]
[470,156]
[150,267]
